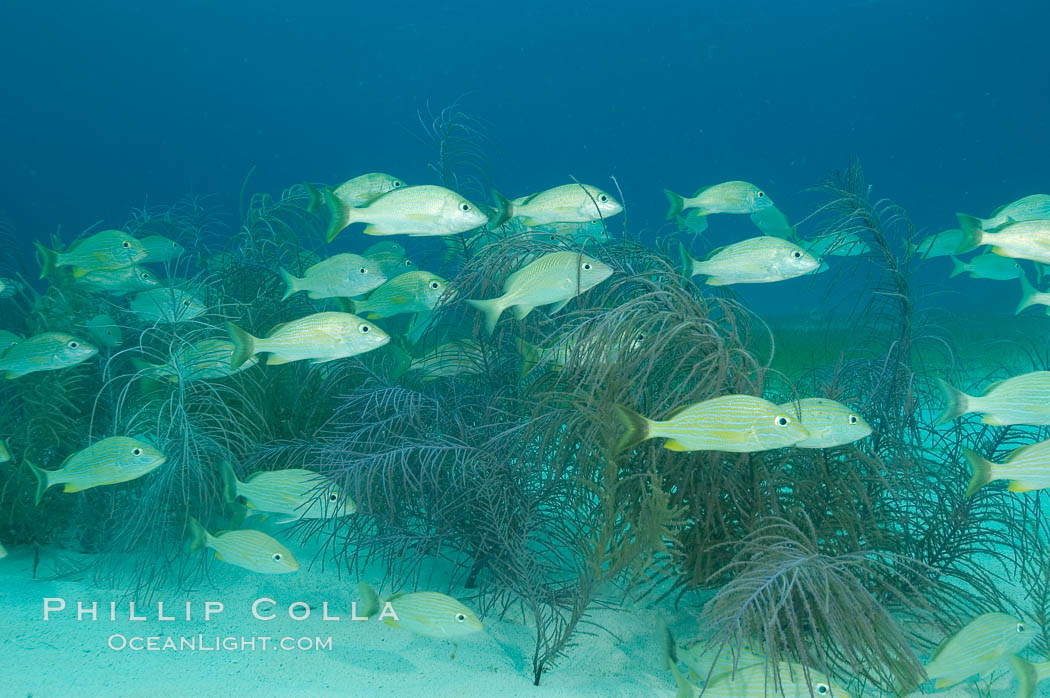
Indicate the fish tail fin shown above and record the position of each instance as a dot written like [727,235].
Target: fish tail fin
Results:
[958,402]
[43,480]
[48,261]
[290,282]
[340,215]
[196,535]
[504,212]
[982,471]
[243,345]
[370,598]
[230,483]
[316,197]
[491,309]
[688,262]
[972,233]
[151,375]
[958,267]
[1026,675]
[530,357]
[1027,293]
[637,428]
[675,203]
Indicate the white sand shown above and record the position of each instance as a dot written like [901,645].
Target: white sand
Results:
[63,657]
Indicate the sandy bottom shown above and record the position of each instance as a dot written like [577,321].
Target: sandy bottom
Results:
[63,656]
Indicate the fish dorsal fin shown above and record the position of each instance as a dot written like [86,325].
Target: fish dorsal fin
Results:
[992,386]
[675,412]
[528,199]
[399,594]
[275,329]
[714,252]
[1018,452]
[939,649]
[999,210]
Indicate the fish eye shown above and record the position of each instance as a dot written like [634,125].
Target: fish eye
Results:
[782,421]
[603,198]
[796,254]
[332,496]
[822,689]
[364,270]
[1020,627]
[136,451]
[586,267]
[640,337]
[464,206]
[73,344]
[761,195]
[126,245]
[435,285]
[461,617]
[397,183]
[145,276]
[408,262]
[365,329]
[853,419]
[186,302]
[276,557]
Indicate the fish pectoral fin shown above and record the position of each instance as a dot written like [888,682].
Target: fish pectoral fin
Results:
[674,445]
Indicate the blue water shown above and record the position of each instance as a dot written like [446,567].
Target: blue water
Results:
[106,107]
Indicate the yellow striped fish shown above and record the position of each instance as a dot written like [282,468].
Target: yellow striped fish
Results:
[829,423]
[340,275]
[1023,240]
[49,351]
[301,494]
[555,278]
[169,305]
[1029,208]
[5,452]
[727,197]
[109,249]
[107,462]
[207,359]
[736,423]
[247,548]
[569,203]
[421,210]
[119,281]
[318,338]
[572,346]
[412,292]
[1027,468]
[979,647]
[359,191]
[754,261]
[425,613]
[460,357]
[1017,400]
[1030,296]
